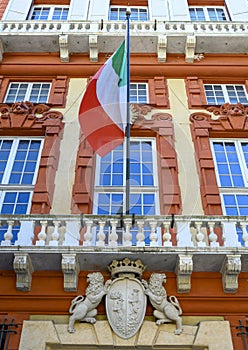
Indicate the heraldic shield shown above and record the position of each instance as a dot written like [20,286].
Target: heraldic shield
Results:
[126,306]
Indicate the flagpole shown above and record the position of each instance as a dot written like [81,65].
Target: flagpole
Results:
[128,13]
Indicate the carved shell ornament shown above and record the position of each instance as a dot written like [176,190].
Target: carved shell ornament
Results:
[125,299]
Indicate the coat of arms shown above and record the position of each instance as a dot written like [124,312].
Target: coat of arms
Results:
[126,296]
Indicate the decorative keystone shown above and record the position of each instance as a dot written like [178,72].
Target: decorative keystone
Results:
[161,48]
[70,268]
[230,271]
[93,45]
[190,49]
[64,48]
[184,270]
[23,268]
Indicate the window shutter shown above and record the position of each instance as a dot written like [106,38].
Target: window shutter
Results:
[195,92]
[78,10]
[159,10]
[180,11]
[238,9]
[59,91]
[17,10]
[99,10]
[158,92]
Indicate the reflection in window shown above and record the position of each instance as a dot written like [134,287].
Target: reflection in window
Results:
[19,162]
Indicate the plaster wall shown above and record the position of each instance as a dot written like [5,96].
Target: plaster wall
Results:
[69,146]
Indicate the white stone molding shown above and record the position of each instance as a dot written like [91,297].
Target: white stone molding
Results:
[161,48]
[23,268]
[190,48]
[70,268]
[64,48]
[184,269]
[93,46]
[230,271]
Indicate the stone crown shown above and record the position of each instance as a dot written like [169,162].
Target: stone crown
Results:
[126,265]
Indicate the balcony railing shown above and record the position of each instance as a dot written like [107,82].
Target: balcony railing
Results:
[93,27]
[116,231]
[83,36]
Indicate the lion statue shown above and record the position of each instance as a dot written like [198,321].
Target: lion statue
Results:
[165,310]
[84,308]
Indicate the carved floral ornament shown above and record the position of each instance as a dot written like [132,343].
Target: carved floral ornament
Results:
[26,115]
[125,299]
[231,117]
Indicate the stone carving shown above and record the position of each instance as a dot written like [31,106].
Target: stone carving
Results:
[126,300]
[165,310]
[84,309]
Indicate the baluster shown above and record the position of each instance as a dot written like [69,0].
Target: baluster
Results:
[113,237]
[55,235]
[88,234]
[212,235]
[8,234]
[199,235]
[140,237]
[167,236]
[101,236]
[153,234]
[127,235]
[244,233]
[42,235]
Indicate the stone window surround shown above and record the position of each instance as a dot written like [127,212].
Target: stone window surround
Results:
[21,119]
[58,92]
[160,126]
[232,123]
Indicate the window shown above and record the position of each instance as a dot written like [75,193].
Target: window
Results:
[110,180]
[208,14]
[55,13]
[119,13]
[19,161]
[220,94]
[231,162]
[138,93]
[32,92]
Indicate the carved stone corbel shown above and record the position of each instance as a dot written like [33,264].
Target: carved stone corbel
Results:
[190,48]
[93,46]
[64,48]
[184,269]
[230,271]
[23,268]
[161,48]
[70,268]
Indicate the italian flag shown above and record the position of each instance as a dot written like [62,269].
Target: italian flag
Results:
[102,113]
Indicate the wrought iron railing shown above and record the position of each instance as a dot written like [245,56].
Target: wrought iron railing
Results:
[7,328]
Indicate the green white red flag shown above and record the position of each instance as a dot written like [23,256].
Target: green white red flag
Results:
[102,113]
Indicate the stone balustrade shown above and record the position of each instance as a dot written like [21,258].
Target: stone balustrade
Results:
[115,231]
[163,27]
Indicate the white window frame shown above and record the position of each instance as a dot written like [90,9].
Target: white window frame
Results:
[51,11]
[225,92]
[134,189]
[138,88]
[129,8]
[206,14]
[28,91]
[4,185]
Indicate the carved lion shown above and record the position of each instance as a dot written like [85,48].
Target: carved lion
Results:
[165,310]
[84,308]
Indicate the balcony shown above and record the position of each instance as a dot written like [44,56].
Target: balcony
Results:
[159,37]
[180,244]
